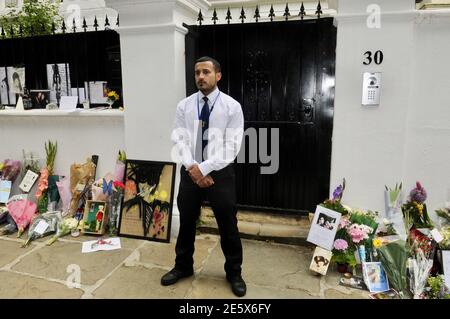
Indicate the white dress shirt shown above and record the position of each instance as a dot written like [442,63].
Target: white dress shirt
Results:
[226,127]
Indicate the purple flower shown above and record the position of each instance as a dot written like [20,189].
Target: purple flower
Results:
[337,194]
[340,244]
[418,194]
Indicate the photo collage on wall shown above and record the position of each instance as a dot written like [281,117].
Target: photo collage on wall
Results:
[12,85]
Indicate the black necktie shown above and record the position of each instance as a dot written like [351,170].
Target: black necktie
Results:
[204,118]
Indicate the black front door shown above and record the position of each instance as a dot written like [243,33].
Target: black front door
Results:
[282,73]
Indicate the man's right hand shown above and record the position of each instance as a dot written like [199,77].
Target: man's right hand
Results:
[205,182]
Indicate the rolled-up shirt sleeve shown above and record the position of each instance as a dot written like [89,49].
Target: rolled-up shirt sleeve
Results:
[182,137]
[225,146]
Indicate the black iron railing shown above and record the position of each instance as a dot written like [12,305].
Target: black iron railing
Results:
[257,15]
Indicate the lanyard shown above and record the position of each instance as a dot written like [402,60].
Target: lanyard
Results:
[198,105]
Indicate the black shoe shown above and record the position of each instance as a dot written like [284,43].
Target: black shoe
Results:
[237,285]
[174,275]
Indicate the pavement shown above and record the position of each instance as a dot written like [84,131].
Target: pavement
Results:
[271,271]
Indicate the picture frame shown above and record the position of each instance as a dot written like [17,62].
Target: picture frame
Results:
[95,217]
[321,260]
[146,210]
[40,98]
[375,277]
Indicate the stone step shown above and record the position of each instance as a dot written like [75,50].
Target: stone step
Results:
[286,229]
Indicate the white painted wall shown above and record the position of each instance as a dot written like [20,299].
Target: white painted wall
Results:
[405,138]
[78,136]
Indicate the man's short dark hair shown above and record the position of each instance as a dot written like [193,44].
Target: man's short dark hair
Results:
[216,63]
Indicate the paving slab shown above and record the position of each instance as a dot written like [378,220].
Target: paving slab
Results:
[139,282]
[355,294]
[16,286]
[212,288]
[52,262]
[10,251]
[266,264]
[127,243]
[163,255]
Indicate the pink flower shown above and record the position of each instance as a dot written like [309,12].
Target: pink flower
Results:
[343,223]
[340,244]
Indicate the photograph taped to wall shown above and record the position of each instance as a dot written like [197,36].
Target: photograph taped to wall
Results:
[58,79]
[4,87]
[146,211]
[324,227]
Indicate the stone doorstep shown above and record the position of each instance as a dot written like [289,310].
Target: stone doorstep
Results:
[263,226]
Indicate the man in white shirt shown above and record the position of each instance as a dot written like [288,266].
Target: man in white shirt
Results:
[207,171]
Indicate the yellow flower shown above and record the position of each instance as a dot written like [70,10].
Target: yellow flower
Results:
[1,166]
[420,208]
[377,242]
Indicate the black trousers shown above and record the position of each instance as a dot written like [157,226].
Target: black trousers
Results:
[222,197]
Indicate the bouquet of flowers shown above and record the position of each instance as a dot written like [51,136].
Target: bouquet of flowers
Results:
[436,289]
[116,203]
[445,243]
[43,225]
[112,97]
[419,269]
[64,228]
[415,210]
[10,169]
[392,199]
[22,212]
[444,216]
[334,203]
[42,192]
[119,171]
[393,257]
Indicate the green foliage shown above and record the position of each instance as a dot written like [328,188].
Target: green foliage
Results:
[50,150]
[436,288]
[36,15]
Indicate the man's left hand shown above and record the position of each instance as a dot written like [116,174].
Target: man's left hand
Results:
[195,174]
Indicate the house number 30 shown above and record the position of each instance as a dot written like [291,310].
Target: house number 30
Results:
[377,57]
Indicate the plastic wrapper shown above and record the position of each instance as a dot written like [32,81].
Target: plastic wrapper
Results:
[10,226]
[393,257]
[22,211]
[43,225]
[53,194]
[81,175]
[64,192]
[65,226]
[102,189]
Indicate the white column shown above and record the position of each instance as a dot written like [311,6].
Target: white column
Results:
[369,142]
[153,70]
[153,74]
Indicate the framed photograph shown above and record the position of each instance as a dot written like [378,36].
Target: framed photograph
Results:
[16,79]
[95,217]
[146,210]
[375,277]
[321,260]
[324,227]
[40,98]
